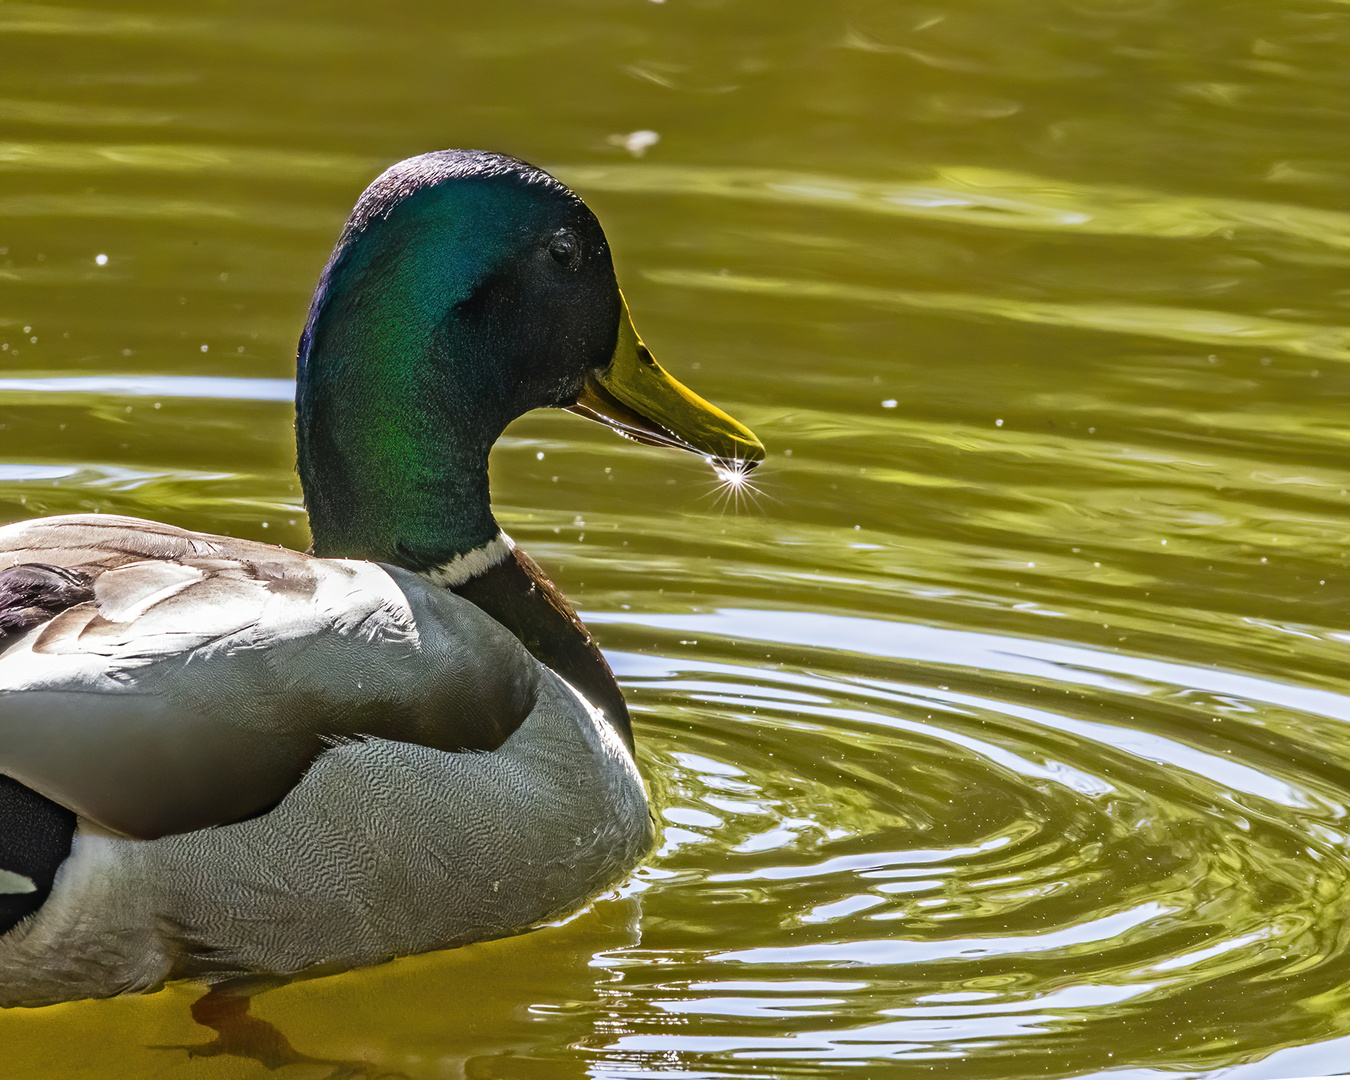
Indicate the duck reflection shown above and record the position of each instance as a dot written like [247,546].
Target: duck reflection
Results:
[442,1014]
[225,1010]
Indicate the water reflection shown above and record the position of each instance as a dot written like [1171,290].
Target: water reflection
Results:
[990,199]
[1214,328]
[1137,860]
[92,388]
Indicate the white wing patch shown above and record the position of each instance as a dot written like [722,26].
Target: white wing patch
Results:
[15,884]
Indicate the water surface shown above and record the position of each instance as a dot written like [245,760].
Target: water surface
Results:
[1006,734]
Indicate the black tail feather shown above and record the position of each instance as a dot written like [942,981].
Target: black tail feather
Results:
[35,833]
[35,838]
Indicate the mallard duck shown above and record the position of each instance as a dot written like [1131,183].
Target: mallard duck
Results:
[223,759]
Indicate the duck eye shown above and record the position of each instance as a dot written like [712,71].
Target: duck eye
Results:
[565,249]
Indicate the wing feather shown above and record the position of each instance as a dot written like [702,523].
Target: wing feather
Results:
[206,673]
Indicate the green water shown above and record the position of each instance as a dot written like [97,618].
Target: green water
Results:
[1006,734]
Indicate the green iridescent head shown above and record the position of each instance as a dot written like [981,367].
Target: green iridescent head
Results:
[465,290]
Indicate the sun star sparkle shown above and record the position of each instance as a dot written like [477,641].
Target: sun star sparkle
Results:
[733,482]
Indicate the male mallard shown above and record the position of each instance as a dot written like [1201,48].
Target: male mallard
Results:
[221,758]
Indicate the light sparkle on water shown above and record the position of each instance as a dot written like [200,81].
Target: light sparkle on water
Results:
[733,482]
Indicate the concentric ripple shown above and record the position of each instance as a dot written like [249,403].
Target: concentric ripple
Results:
[976,859]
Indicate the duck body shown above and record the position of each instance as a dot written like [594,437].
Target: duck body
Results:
[350,764]
[222,759]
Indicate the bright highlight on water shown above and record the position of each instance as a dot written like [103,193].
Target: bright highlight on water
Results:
[733,482]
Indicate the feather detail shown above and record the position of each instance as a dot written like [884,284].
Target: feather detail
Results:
[195,686]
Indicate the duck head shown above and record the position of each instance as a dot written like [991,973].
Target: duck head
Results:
[465,290]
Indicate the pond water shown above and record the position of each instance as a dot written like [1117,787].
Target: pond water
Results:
[1006,732]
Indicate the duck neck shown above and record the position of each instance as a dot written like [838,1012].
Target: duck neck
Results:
[379,499]
[395,415]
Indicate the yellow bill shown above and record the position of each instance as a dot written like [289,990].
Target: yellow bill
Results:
[637,397]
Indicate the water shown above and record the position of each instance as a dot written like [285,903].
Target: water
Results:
[1006,734]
